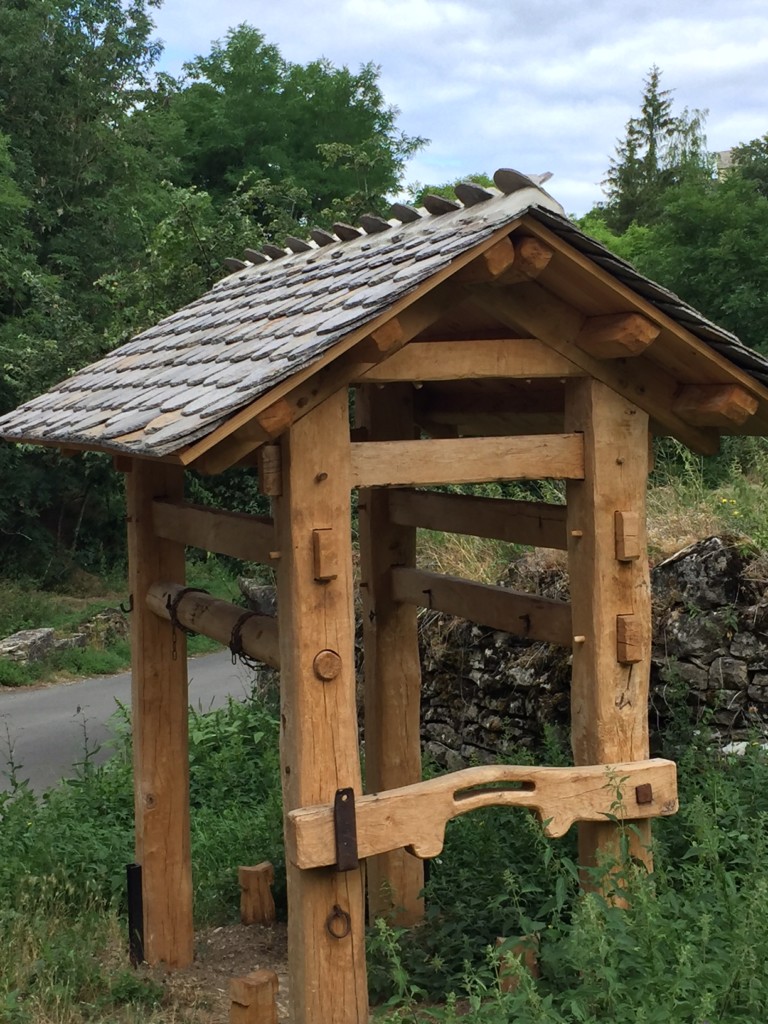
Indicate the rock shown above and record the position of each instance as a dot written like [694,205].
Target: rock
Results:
[260,598]
[69,643]
[105,628]
[28,645]
[707,574]
[728,674]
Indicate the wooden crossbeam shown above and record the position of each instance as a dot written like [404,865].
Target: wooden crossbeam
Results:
[525,615]
[216,619]
[517,522]
[715,405]
[532,308]
[415,816]
[523,358]
[250,538]
[467,460]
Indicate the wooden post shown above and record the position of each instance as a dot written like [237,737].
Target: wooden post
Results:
[257,905]
[610,592]
[254,998]
[159,714]
[392,664]
[319,745]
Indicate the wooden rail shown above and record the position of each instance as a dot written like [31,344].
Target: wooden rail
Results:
[517,522]
[526,615]
[250,538]
[214,618]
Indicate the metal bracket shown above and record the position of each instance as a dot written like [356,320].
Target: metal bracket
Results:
[345,826]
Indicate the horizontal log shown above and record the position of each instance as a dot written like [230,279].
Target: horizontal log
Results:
[516,522]
[715,405]
[414,817]
[524,615]
[216,619]
[249,538]
[467,460]
[520,358]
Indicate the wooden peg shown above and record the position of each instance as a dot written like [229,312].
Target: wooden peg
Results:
[627,530]
[257,905]
[629,639]
[324,552]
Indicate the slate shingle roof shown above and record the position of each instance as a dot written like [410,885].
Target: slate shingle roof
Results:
[178,381]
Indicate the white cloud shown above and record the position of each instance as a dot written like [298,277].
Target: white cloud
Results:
[498,82]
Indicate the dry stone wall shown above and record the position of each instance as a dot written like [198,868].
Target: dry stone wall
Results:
[485,691]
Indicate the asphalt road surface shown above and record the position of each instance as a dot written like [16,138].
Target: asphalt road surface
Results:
[49,728]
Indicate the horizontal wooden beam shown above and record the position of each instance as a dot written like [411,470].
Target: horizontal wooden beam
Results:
[414,817]
[715,405]
[617,335]
[521,358]
[217,619]
[517,522]
[250,538]
[524,615]
[532,308]
[467,460]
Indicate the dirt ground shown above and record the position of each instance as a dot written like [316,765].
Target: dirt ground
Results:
[230,951]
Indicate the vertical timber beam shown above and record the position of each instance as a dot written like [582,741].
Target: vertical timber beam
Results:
[160,737]
[392,664]
[319,744]
[610,595]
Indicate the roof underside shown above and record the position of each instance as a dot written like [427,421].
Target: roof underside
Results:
[182,379]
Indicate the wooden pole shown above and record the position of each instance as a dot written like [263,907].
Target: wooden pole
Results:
[392,664]
[159,711]
[319,745]
[610,595]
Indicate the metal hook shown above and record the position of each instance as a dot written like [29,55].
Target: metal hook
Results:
[129,609]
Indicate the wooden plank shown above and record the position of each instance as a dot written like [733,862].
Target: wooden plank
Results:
[160,740]
[609,699]
[647,384]
[516,522]
[414,817]
[466,460]
[250,538]
[526,615]
[392,662]
[715,405]
[617,335]
[319,743]
[452,293]
[523,358]
[216,619]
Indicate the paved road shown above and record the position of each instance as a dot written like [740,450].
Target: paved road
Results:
[48,727]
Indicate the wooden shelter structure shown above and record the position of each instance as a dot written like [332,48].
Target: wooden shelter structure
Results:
[485,339]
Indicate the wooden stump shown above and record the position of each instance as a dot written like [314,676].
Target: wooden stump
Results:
[257,905]
[254,998]
[527,952]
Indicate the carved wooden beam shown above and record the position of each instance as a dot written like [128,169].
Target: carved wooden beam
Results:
[715,405]
[415,816]
[617,335]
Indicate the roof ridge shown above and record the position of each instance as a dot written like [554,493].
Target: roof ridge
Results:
[468,193]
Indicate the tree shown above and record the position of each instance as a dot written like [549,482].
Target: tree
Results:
[660,150]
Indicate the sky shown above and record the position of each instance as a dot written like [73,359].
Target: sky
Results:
[503,83]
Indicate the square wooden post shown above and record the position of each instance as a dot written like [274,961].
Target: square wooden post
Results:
[392,664]
[319,744]
[160,725]
[610,595]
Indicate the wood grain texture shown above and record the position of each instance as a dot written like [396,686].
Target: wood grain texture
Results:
[250,538]
[715,405]
[160,731]
[523,358]
[215,618]
[516,522]
[415,816]
[467,460]
[537,618]
[319,744]
[617,335]
[257,905]
[609,699]
[392,663]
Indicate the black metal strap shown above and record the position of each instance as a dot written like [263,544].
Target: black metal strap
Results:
[172,604]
